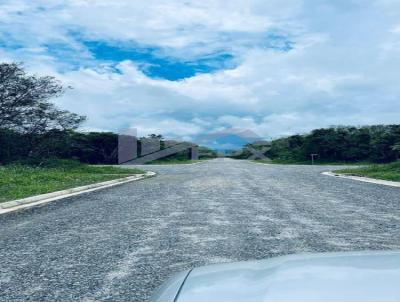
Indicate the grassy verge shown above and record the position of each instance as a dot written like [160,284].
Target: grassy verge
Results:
[317,162]
[385,172]
[21,180]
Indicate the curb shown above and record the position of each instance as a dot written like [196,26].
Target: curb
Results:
[14,205]
[365,179]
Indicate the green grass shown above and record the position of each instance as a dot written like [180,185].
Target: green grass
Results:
[21,180]
[385,172]
[308,162]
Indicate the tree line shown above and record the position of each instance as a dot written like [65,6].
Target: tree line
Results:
[92,147]
[378,143]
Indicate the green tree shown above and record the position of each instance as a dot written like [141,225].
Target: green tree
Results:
[25,102]
[26,112]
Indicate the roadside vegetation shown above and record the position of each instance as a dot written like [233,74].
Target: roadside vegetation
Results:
[29,178]
[342,144]
[386,171]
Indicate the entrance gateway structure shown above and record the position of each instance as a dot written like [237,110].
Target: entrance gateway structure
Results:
[132,151]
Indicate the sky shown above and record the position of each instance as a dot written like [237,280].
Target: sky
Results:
[187,69]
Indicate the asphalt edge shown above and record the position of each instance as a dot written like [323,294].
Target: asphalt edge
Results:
[364,179]
[19,204]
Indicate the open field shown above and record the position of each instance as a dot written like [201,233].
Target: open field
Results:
[20,181]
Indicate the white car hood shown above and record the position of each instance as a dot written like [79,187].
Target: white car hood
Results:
[336,277]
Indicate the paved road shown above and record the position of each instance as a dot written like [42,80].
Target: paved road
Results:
[120,243]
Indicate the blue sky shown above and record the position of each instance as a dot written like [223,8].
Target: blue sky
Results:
[155,63]
[186,68]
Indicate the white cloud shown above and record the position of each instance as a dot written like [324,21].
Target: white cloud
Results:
[187,27]
[343,68]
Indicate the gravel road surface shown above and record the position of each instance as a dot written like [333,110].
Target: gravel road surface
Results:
[118,244]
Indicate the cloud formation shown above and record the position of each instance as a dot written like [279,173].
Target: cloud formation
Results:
[183,68]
